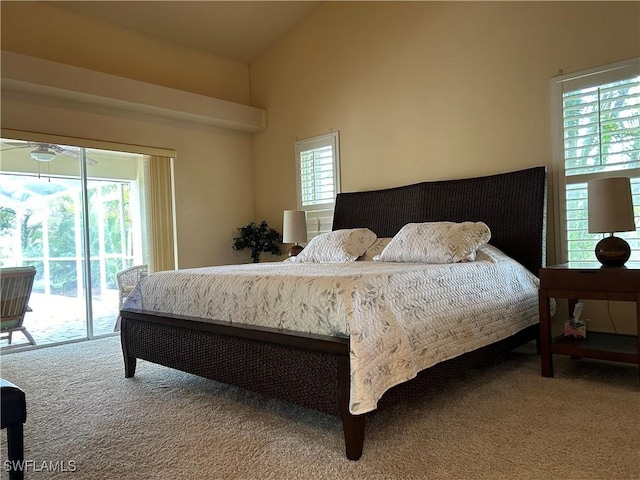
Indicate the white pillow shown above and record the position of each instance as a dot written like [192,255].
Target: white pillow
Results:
[337,246]
[436,242]
[375,249]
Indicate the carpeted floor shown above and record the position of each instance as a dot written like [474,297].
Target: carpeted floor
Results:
[506,422]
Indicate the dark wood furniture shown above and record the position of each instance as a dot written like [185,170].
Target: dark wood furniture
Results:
[13,414]
[313,370]
[576,282]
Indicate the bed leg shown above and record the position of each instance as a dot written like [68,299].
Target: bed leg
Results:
[129,366]
[352,425]
[129,362]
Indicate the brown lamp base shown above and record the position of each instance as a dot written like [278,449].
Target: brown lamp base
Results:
[295,250]
[613,251]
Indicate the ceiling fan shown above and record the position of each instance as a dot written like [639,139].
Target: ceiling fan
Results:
[46,152]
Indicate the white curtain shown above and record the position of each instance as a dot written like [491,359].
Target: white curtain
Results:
[159,213]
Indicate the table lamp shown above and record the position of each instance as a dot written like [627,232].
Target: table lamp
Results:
[294,230]
[610,211]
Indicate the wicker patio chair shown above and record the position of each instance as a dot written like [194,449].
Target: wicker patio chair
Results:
[15,289]
[129,278]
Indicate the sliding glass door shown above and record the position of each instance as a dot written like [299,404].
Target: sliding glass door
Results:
[77,215]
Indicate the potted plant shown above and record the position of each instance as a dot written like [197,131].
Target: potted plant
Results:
[259,237]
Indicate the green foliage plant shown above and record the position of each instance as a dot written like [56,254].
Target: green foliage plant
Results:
[7,220]
[259,237]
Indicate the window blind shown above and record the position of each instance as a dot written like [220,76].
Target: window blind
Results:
[602,127]
[600,138]
[318,172]
[316,176]
[318,180]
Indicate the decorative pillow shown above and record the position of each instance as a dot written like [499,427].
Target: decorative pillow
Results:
[375,249]
[436,242]
[337,246]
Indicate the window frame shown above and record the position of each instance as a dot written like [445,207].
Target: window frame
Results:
[319,216]
[570,82]
[329,139]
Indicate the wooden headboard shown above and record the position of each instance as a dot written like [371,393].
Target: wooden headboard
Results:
[512,204]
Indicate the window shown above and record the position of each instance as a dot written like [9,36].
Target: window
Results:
[596,118]
[318,180]
[80,214]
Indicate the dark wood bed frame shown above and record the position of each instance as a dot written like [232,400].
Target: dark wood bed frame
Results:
[313,370]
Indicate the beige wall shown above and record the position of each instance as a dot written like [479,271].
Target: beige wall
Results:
[213,168]
[418,91]
[44,31]
[425,90]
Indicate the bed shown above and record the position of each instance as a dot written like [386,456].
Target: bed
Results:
[316,370]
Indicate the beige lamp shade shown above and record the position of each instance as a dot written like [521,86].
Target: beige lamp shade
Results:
[610,205]
[294,228]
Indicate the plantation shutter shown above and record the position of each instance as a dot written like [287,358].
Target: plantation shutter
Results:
[318,177]
[601,127]
[600,138]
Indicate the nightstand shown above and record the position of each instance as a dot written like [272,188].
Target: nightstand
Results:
[575,281]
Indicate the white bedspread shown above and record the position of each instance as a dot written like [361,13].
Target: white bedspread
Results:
[400,317]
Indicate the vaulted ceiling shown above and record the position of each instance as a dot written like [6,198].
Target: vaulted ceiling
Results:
[236,30]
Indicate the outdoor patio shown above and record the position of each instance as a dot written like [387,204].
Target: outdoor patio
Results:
[56,318]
